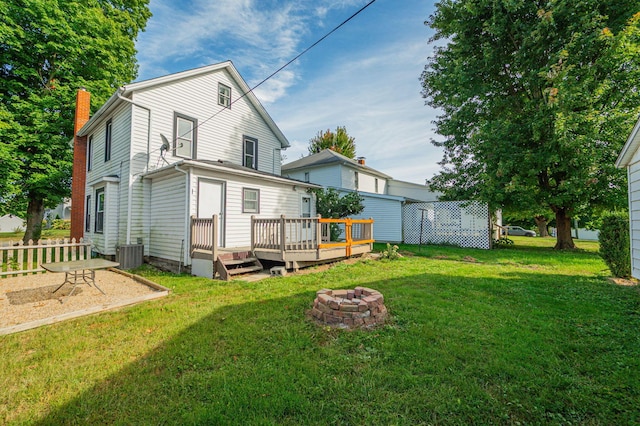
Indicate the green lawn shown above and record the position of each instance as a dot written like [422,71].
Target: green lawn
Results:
[46,233]
[520,335]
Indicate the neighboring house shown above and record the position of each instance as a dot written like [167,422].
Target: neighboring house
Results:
[61,211]
[11,223]
[629,158]
[330,169]
[396,206]
[195,143]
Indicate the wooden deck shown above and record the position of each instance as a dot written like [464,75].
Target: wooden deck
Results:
[296,242]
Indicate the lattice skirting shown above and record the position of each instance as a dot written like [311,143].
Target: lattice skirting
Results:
[459,223]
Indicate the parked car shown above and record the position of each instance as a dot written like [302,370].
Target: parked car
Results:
[517,230]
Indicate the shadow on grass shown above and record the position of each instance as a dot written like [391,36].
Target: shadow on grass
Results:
[472,351]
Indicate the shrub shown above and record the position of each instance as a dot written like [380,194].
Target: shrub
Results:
[614,243]
[61,224]
[390,253]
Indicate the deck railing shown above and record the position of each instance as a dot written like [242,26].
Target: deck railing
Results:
[20,259]
[204,234]
[292,234]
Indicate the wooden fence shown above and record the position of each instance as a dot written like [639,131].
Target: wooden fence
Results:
[17,258]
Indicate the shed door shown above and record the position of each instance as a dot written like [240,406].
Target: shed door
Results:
[210,202]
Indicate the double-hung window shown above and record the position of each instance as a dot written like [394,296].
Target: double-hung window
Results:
[107,141]
[99,226]
[224,95]
[185,136]
[87,212]
[89,153]
[250,152]
[250,200]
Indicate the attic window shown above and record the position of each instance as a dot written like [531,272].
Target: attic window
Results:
[224,95]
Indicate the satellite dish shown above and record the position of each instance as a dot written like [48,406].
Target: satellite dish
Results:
[165,144]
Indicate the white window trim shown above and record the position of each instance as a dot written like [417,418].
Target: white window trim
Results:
[245,200]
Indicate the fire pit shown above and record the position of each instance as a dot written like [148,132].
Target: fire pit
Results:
[360,307]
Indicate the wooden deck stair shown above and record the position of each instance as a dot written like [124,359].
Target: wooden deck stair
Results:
[237,263]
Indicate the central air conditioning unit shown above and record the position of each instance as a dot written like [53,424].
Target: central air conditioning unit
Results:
[130,256]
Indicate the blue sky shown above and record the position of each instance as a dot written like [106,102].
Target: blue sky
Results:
[365,76]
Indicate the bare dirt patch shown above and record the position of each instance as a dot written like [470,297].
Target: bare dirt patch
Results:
[623,281]
[28,301]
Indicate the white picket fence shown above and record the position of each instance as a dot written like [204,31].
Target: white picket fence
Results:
[17,258]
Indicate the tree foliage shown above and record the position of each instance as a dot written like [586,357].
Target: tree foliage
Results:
[537,100]
[48,50]
[338,141]
[330,204]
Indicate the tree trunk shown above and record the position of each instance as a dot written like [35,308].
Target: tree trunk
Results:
[563,224]
[35,214]
[541,223]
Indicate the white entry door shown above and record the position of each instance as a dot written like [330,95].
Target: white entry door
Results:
[210,202]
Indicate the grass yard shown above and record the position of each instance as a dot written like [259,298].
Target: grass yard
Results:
[46,234]
[519,335]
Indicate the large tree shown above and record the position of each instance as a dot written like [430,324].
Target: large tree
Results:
[338,141]
[48,50]
[537,99]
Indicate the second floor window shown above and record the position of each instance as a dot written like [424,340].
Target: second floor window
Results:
[356,179]
[376,184]
[250,153]
[185,135]
[107,141]
[224,95]
[89,152]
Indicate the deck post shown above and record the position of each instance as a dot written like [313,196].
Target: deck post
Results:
[214,241]
[253,233]
[348,229]
[370,236]
[193,238]
[318,236]
[283,244]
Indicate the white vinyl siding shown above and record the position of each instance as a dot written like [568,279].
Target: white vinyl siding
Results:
[411,190]
[634,217]
[387,216]
[219,136]
[167,217]
[117,169]
[365,181]
[325,176]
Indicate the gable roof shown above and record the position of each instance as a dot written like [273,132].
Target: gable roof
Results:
[327,156]
[123,94]
[630,148]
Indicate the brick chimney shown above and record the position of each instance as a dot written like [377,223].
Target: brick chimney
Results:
[79,176]
[361,160]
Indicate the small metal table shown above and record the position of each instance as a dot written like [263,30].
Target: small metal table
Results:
[79,269]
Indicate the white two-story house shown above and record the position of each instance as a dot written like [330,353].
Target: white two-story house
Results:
[196,143]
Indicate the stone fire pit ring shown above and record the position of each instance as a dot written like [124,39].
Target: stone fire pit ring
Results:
[360,307]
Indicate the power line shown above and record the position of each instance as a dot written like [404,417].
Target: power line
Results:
[281,68]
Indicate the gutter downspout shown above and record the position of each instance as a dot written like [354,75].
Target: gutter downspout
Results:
[131,175]
[187,192]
